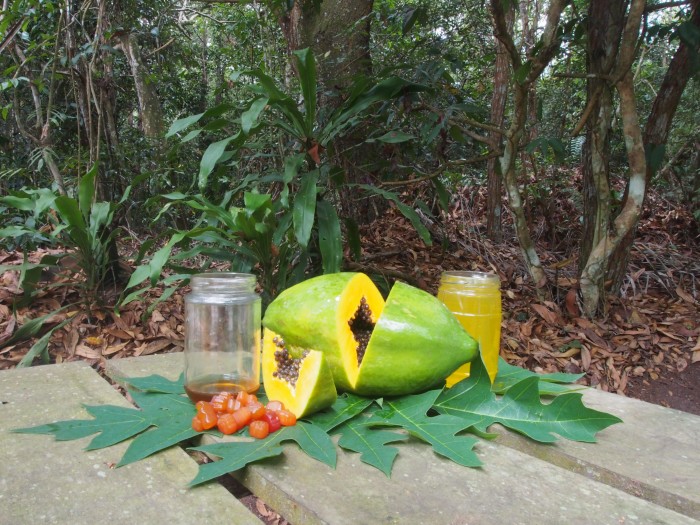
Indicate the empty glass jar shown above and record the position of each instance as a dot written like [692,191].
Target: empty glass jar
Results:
[222,335]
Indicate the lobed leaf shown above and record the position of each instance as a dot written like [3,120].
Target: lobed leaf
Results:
[310,438]
[371,444]
[520,409]
[549,384]
[410,413]
[346,407]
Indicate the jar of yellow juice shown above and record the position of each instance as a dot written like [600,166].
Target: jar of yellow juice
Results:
[475,299]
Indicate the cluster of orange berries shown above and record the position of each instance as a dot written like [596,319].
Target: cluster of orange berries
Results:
[232,412]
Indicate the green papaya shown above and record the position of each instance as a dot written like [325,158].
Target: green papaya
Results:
[408,344]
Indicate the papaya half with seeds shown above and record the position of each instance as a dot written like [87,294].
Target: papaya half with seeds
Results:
[408,344]
[301,379]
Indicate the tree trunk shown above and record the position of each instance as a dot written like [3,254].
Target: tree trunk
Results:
[593,274]
[338,34]
[498,106]
[606,19]
[548,46]
[596,262]
[656,131]
[149,104]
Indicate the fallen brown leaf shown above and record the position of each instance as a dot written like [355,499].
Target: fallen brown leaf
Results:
[685,295]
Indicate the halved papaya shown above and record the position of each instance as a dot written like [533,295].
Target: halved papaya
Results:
[406,345]
[300,378]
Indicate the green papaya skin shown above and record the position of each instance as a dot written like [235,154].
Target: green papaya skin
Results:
[305,315]
[416,343]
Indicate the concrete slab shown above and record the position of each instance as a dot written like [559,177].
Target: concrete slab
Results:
[513,486]
[45,481]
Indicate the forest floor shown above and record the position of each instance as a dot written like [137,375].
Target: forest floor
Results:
[646,345]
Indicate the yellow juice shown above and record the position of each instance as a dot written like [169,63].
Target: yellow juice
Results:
[475,300]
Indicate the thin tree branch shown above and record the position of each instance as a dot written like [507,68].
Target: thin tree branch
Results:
[501,32]
[550,40]
[158,50]
[441,169]
[665,5]
[630,37]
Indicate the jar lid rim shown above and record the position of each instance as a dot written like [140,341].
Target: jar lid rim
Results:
[222,275]
[471,275]
[222,278]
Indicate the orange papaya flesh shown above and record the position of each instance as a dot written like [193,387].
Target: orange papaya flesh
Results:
[299,378]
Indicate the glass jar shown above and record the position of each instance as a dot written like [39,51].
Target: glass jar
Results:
[475,299]
[222,335]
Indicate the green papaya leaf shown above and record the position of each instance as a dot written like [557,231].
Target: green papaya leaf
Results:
[329,237]
[411,414]
[156,383]
[310,438]
[120,423]
[520,409]
[170,422]
[548,385]
[346,407]
[371,444]
[234,459]
[165,414]
[305,208]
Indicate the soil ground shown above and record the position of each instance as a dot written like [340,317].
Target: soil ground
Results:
[679,390]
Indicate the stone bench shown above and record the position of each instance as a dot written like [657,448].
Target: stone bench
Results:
[45,481]
[646,470]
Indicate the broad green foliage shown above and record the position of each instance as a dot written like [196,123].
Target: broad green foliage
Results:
[287,230]
[438,417]
[84,228]
[520,409]
[371,444]
[441,431]
[81,225]
[310,438]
